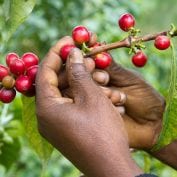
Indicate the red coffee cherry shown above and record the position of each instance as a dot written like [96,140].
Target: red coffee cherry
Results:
[31,92]
[3,72]
[126,21]
[103,60]
[30,59]
[31,72]
[23,84]
[11,56]
[17,67]
[8,82]
[162,42]
[80,34]
[7,95]
[139,59]
[65,51]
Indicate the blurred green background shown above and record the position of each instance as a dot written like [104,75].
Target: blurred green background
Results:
[49,21]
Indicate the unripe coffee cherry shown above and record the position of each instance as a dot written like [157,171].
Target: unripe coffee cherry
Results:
[65,51]
[31,72]
[10,57]
[30,59]
[126,22]
[139,59]
[8,82]
[7,95]
[17,67]
[162,42]
[103,60]
[80,34]
[23,84]
[3,72]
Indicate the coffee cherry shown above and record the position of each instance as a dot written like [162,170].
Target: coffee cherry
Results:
[7,95]
[103,60]
[8,82]
[126,21]
[162,42]
[10,57]
[23,84]
[139,59]
[30,59]
[31,72]
[17,67]
[31,92]
[65,51]
[3,72]
[80,34]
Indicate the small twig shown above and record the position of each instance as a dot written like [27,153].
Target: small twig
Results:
[126,42]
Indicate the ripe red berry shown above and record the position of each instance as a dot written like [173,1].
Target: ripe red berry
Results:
[31,92]
[139,59]
[103,60]
[3,72]
[126,21]
[7,95]
[8,82]
[23,84]
[17,67]
[31,72]
[80,34]
[65,51]
[162,42]
[10,57]
[30,59]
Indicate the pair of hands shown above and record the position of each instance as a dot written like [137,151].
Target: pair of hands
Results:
[85,126]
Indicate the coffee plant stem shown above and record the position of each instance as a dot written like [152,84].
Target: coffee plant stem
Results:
[127,42]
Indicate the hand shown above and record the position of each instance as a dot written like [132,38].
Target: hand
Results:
[86,129]
[144,106]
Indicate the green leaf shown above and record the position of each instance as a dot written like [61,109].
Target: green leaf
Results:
[40,145]
[10,153]
[19,11]
[169,129]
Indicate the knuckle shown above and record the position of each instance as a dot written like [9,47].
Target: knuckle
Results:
[81,73]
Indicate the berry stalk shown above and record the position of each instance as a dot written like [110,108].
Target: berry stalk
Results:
[127,42]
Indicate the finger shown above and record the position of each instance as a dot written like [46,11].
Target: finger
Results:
[62,76]
[107,91]
[117,97]
[120,109]
[79,78]
[122,77]
[93,39]
[101,77]
[47,80]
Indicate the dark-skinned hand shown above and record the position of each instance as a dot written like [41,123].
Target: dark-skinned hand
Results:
[87,129]
[144,106]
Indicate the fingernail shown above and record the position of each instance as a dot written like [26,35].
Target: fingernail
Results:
[76,56]
[123,98]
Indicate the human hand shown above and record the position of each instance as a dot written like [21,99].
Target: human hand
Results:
[87,129]
[144,106]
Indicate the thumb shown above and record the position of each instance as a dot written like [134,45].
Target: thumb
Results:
[79,78]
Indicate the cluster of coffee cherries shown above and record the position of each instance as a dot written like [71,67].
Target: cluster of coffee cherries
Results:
[127,22]
[19,75]
[86,41]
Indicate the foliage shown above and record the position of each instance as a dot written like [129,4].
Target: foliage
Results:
[47,23]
